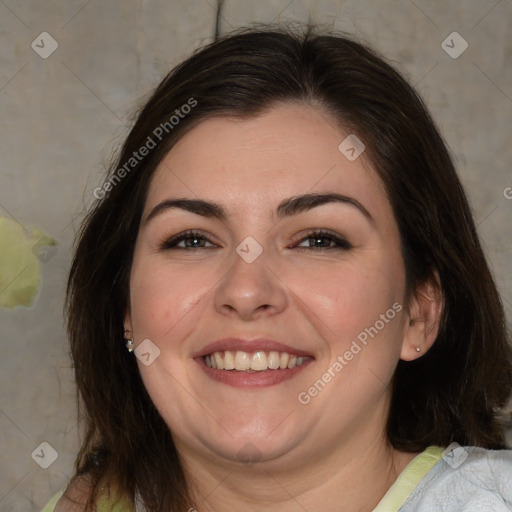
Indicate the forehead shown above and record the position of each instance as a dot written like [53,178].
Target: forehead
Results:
[254,162]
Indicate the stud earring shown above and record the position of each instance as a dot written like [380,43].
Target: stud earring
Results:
[418,349]
[129,345]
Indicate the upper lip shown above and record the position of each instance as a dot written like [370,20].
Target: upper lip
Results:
[252,345]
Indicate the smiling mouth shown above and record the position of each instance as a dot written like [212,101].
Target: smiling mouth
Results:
[253,361]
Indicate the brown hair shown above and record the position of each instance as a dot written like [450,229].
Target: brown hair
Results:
[452,393]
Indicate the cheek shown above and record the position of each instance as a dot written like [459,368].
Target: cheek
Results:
[349,299]
[162,295]
[360,308]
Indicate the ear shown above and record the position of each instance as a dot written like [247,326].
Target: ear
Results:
[128,329]
[423,319]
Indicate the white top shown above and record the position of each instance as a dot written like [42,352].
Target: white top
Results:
[464,479]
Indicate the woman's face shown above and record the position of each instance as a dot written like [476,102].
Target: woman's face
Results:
[294,251]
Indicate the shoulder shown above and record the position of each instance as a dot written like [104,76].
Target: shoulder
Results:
[466,478]
[489,468]
[76,496]
[79,491]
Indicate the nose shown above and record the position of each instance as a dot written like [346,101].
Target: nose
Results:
[250,290]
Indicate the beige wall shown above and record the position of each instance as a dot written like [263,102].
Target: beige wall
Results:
[61,117]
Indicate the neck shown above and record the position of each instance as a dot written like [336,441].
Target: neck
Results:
[351,476]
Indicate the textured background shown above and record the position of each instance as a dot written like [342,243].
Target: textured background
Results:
[62,117]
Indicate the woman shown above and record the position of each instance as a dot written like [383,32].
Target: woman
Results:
[280,301]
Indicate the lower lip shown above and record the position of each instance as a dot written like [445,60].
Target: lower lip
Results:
[257,379]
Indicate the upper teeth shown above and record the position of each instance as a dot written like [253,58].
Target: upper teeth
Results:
[258,361]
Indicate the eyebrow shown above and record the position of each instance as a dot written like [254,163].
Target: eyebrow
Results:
[286,208]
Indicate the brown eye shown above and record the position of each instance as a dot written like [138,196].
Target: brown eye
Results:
[324,240]
[187,240]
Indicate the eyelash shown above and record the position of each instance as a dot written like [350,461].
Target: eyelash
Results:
[343,244]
